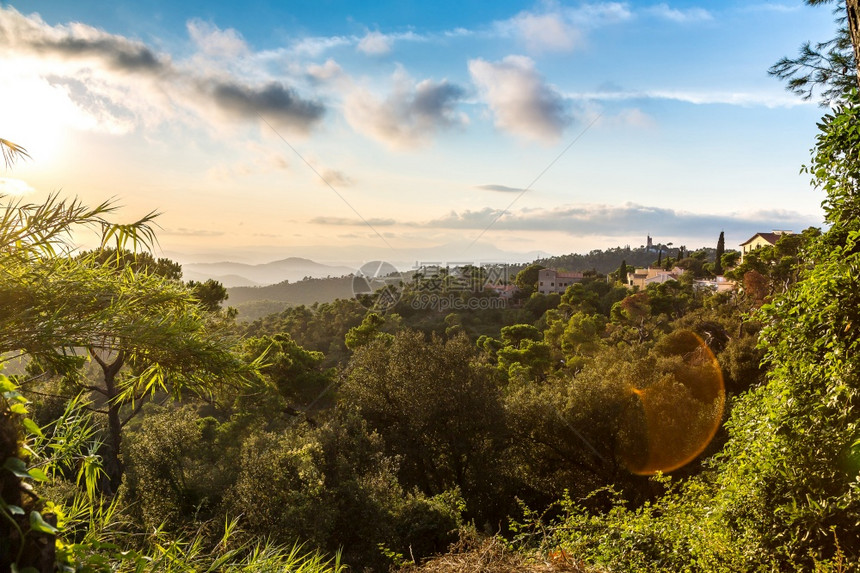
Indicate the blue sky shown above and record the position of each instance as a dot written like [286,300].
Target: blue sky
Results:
[349,131]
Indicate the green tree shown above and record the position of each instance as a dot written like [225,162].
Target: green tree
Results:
[622,272]
[522,352]
[437,410]
[634,311]
[210,293]
[831,66]
[139,262]
[729,260]
[296,373]
[369,329]
[53,305]
[799,495]
[721,249]
[335,487]
[527,279]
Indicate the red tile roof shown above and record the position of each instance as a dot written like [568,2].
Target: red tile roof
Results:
[771,238]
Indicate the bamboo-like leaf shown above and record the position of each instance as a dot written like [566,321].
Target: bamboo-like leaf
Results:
[12,152]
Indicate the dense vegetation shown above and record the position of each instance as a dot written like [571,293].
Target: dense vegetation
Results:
[376,434]
[668,428]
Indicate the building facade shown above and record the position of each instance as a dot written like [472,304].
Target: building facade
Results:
[550,280]
[760,240]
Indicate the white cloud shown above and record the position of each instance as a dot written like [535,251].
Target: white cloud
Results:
[500,188]
[521,101]
[681,16]
[324,72]
[546,32]
[633,117]
[409,115]
[215,43]
[17,187]
[560,29]
[315,46]
[123,83]
[767,99]
[594,15]
[600,220]
[186,232]
[335,178]
[617,220]
[771,7]
[347,222]
[374,44]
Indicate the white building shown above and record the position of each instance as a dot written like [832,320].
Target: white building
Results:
[550,280]
[643,277]
[718,284]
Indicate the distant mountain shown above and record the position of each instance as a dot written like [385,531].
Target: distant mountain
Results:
[348,256]
[291,269]
[228,281]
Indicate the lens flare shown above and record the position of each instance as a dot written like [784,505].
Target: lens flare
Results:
[673,418]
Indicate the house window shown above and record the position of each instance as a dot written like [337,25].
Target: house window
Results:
[541,283]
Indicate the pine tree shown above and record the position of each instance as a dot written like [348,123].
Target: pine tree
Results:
[721,248]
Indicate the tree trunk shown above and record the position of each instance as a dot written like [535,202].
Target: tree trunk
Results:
[852,12]
[113,458]
[113,464]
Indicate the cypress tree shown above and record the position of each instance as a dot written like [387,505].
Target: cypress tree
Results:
[622,272]
[721,248]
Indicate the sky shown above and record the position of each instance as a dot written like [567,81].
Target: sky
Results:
[451,131]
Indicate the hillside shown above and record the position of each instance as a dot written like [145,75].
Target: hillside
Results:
[307,291]
[607,261]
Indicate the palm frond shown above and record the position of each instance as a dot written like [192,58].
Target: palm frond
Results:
[12,152]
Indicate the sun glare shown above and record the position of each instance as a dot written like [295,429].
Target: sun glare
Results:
[37,116]
[676,416]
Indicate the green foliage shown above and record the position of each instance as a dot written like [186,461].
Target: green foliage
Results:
[368,330]
[729,259]
[527,279]
[606,261]
[621,273]
[437,411]
[335,487]
[827,67]
[110,303]
[320,327]
[174,471]
[88,534]
[296,373]
[575,339]
[784,493]
[138,262]
[210,294]
[718,257]
[308,292]
[768,271]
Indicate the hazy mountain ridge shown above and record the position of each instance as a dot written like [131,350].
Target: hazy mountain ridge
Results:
[292,269]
